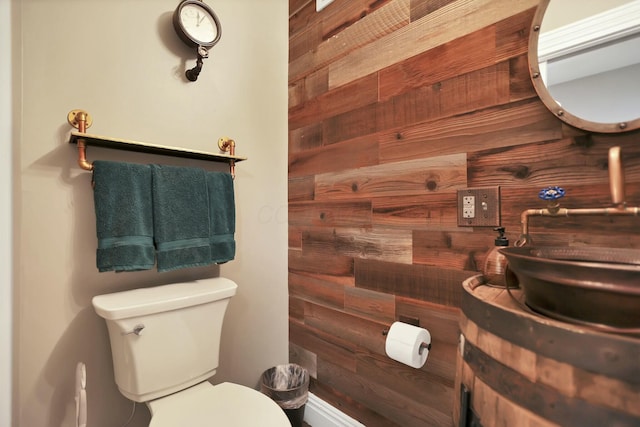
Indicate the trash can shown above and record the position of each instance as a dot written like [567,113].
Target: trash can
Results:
[288,386]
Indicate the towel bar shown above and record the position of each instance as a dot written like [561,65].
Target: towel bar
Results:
[82,120]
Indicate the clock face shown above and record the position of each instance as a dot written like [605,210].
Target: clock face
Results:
[198,23]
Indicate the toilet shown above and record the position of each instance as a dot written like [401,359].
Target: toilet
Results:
[165,343]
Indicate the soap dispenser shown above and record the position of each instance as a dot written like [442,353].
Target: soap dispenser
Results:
[495,263]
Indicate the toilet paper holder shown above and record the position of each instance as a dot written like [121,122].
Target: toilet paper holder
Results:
[423,346]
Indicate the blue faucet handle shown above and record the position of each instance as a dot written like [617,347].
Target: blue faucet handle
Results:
[551,193]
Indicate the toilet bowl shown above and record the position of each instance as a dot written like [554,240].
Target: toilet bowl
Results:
[165,343]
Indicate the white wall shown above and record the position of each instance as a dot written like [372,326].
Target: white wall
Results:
[122,62]
[5,214]
[609,97]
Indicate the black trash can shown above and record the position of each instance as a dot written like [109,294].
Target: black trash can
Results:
[288,386]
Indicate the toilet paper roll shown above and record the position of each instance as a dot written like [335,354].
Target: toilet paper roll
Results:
[403,344]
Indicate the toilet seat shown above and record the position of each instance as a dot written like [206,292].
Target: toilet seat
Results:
[225,405]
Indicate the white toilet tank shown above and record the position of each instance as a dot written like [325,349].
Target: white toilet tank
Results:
[165,338]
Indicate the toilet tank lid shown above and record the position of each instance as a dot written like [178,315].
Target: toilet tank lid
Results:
[140,302]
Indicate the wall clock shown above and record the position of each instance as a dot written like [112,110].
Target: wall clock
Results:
[197,26]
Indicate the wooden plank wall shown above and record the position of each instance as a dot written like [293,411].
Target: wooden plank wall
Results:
[393,106]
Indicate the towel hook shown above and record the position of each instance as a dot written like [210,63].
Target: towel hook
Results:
[81,120]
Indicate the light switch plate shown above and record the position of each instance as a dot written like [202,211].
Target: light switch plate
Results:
[479,207]
[321,4]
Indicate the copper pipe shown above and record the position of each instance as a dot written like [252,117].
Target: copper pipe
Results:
[228,144]
[81,118]
[82,156]
[614,211]
[616,184]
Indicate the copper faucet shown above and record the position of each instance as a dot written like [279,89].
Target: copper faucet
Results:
[619,207]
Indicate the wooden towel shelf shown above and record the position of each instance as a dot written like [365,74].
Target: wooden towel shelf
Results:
[81,120]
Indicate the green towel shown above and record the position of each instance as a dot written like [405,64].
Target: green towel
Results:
[124,216]
[180,217]
[222,216]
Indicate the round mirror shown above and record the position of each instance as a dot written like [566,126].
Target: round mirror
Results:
[584,60]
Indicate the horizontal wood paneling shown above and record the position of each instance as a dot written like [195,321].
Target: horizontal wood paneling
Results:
[447,23]
[327,267]
[391,404]
[376,243]
[494,127]
[301,188]
[460,56]
[350,405]
[406,178]
[362,334]
[418,385]
[575,162]
[323,345]
[461,250]
[365,29]
[441,321]
[421,282]
[356,153]
[310,288]
[433,211]
[331,214]
[394,105]
[420,8]
[461,94]
[376,306]
[344,99]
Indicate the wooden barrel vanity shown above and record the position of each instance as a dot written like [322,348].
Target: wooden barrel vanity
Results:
[518,368]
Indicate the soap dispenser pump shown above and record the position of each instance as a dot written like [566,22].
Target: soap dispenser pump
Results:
[495,263]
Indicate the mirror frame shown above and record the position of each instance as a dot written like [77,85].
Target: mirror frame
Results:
[545,95]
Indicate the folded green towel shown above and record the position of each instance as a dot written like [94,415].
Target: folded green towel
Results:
[124,216]
[222,216]
[180,217]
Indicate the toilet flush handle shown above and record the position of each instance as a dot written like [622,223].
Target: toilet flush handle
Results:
[136,330]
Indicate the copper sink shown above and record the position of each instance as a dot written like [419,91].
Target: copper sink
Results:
[592,286]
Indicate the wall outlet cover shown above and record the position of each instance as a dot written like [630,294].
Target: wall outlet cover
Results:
[321,4]
[479,207]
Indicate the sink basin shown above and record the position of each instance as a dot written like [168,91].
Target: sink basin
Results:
[594,286]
